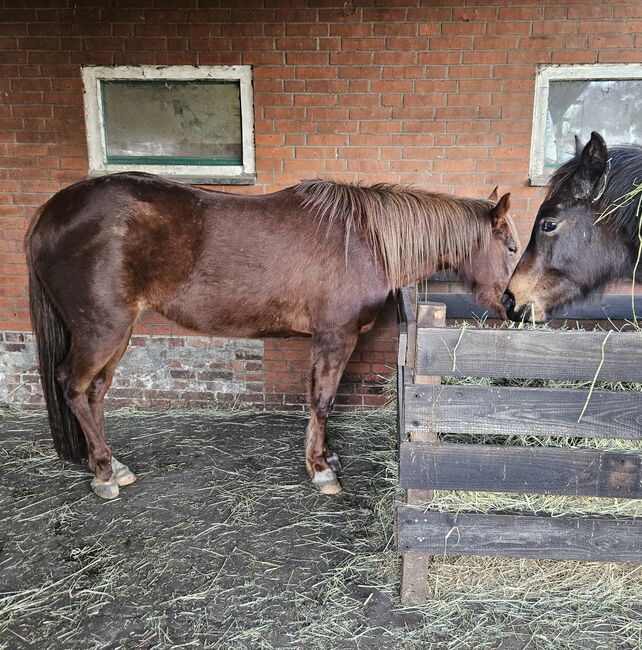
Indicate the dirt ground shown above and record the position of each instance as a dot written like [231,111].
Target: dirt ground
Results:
[222,543]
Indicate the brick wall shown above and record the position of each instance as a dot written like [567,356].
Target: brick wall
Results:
[437,93]
[155,372]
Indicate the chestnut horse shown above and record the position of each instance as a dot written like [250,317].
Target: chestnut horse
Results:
[586,233]
[318,259]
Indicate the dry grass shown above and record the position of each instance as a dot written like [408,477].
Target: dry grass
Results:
[219,546]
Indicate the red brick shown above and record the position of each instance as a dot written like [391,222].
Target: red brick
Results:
[574,56]
[611,41]
[395,58]
[360,72]
[474,14]
[463,29]
[619,56]
[520,13]
[430,29]
[351,30]
[438,58]
[325,72]
[469,72]
[307,58]
[586,11]
[504,28]
[633,10]
[395,29]
[451,43]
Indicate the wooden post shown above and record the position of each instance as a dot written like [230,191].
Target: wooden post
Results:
[415,566]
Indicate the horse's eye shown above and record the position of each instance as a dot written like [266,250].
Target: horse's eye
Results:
[512,247]
[549,226]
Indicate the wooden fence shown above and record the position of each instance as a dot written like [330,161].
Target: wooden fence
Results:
[428,351]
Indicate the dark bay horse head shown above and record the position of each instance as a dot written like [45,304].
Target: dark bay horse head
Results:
[489,267]
[585,233]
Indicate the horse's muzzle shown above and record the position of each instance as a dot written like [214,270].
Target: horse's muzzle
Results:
[524,313]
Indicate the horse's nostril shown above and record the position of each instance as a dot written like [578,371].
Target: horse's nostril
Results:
[508,300]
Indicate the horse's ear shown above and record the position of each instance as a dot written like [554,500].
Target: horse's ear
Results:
[499,211]
[579,147]
[590,175]
[493,195]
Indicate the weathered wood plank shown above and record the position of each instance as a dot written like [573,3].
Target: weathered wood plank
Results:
[539,470]
[401,406]
[613,306]
[428,315]
[505,535]
[523,411]
[414,578]
[405,306]
[542,354]
[402,351]
[414,566]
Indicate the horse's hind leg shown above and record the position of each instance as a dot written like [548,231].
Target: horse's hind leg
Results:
[330,353]
[86,359]
[96,396]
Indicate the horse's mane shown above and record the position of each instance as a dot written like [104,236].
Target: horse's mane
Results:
[406,228]
[624,173]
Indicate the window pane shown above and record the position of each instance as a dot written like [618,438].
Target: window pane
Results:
[612,108]
[161,122]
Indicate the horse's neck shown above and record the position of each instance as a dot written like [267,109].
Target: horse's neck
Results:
[426,270]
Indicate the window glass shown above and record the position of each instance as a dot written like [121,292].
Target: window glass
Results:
[172,121]
[576,107]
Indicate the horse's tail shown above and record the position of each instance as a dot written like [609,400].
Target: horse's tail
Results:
[53,341]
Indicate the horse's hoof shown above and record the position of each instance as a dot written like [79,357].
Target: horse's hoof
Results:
[105,489]
[330,488]
[326,481]
[334,462]
[121,473]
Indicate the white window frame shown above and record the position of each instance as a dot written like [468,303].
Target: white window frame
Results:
[548,73]
[205,174]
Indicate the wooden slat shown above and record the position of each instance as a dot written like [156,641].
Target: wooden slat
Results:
[413,588]
[403,344]
[562,538]
[524,411]
[539,470]
[406,311]
[613,306]
[428,315]
[529,354]
[401,406]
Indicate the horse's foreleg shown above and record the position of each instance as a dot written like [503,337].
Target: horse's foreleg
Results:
[330,353]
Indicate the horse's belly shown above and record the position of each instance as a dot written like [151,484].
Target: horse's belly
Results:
[237,319]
